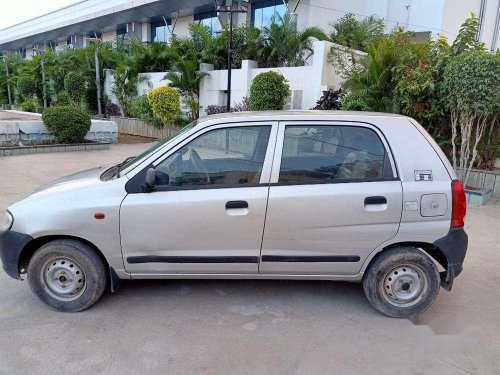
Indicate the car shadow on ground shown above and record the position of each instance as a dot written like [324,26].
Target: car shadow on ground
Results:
[340,297]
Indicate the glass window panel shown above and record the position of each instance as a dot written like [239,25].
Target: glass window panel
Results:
[331,153]
[229,156]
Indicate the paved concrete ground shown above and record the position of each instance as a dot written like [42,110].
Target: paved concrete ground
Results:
[14,116]
[247,327]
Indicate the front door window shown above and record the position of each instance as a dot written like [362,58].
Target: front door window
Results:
[228,157]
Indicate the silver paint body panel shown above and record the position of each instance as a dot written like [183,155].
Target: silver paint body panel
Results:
[304,220]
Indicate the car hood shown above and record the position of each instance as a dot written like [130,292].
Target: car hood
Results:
[74,181]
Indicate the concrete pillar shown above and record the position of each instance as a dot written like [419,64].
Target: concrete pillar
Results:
[146,32]
[247,66]
[205,93]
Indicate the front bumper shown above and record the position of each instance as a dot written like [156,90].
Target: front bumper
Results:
[454,247]
[12,245]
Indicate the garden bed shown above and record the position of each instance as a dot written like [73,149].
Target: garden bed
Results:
[37,149]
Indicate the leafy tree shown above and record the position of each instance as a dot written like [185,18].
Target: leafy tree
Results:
[466,39]
[472,81]
[75,86]
[268,91]
[186,78]
[26,86]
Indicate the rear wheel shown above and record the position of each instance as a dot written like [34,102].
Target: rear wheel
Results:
[67,275]
[401,282]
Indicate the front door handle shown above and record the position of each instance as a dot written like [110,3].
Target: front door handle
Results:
[236,204]
[375,200]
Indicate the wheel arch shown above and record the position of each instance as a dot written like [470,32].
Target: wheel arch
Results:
[430,249]
[34,245]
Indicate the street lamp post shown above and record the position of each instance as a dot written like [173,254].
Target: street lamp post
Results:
[225,6]
[97,74]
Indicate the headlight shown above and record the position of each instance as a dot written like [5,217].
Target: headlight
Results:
[6,221]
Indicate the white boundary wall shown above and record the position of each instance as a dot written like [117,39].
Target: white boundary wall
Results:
[307,83]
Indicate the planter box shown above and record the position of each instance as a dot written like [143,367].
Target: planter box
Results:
[38,149]
[135,126]
[478,197]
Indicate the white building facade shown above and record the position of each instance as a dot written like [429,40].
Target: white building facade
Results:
[157,20]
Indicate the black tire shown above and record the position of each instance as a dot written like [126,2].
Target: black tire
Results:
[390,273]
[84,258]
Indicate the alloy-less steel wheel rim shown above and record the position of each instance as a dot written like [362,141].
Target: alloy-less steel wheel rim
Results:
[63,278]
[404,285]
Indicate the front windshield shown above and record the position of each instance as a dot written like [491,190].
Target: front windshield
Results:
[152,149]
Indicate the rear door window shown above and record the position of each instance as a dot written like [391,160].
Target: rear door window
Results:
[328,153]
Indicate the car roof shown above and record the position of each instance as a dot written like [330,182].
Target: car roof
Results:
[278,115]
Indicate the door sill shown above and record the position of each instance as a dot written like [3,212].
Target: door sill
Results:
[264,276]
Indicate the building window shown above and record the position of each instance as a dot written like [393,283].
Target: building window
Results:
[22,52]
[264,11]
[210,20]
[121,31]
[160,32]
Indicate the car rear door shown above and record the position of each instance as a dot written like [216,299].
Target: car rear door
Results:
[334,197]
[208,215]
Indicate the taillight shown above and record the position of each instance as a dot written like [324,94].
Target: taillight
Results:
[458,205]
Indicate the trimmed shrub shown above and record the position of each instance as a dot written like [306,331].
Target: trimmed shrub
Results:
[75,86]
[111,109]
[166,104]
[28,106]
[141,109]
[215,109]
[63,98]
[268,91]
[354,103]
[67,124]
[26,86]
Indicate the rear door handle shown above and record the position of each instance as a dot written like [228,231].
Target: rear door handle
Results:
[236,204]
[375,200]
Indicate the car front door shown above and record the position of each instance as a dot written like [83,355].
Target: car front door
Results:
[206,211]
[334,197]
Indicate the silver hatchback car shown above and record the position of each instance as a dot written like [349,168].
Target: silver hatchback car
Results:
[263,195]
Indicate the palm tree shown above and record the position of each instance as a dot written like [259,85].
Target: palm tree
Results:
[186,77]
[375,83]
[350,32]
[284,45]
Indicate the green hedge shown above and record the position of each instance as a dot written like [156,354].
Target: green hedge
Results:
[63,98]
[166,104]
[28,106]
[268,91]
[67,124]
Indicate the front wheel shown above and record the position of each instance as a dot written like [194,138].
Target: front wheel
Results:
[401,282]
[67,275]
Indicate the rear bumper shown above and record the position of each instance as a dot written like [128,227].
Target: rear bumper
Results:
[454,247]
[12,245]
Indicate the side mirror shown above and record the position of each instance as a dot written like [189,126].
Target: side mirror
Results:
[150,178]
